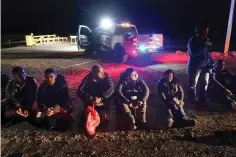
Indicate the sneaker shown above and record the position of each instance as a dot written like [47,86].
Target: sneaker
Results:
[170,122]
[133,127]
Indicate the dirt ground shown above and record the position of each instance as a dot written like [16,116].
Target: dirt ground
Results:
[214,135]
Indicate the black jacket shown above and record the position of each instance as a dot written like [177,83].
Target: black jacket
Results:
[167,91]
[49,96]
[226,78]
[91,88]
[126,89]
[24,96]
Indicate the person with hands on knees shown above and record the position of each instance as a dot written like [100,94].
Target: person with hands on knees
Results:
[54,103]
[19,99]
[172,95]
[97,89]
[132,92]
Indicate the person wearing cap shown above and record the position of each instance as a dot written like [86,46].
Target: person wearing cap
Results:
[171,93]
[53,102]
[97,89]
[199,64]
[132,93]
[19,99]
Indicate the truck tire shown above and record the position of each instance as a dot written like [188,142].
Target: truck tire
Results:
[120,56]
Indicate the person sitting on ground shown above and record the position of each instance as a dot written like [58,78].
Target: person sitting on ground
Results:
[225,78]
[53,102]
[4,81]
[20,96]
[172,94]
[97,88]
[133,93]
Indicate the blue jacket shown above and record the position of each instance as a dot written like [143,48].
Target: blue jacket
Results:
[199,56]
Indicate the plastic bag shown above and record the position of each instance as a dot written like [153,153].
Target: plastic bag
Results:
[92,120]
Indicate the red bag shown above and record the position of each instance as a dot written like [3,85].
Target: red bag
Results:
[92,120]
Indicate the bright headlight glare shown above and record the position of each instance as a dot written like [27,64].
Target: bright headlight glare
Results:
[106,23]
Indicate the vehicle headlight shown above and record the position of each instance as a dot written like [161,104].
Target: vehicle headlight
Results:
[142,47]
[106,23]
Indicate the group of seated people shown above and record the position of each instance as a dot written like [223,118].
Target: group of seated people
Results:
[50,105]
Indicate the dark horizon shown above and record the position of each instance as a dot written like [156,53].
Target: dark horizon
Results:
[174,19]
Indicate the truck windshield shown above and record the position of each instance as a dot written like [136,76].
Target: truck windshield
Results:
[125,30]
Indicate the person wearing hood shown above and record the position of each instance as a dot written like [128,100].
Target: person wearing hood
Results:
[171,93]
[20,95]
[97,88]
[199,64]
[132,92]
[53,101]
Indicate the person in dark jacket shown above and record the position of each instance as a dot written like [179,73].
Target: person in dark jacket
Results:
[53,101]
[97,88]
[132,92]
[171,93]
[4,81]
[225,78]
[20,96]
[198,64]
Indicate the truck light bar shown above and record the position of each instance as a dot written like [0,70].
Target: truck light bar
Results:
[125,24]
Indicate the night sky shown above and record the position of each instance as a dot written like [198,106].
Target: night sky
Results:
[174,18]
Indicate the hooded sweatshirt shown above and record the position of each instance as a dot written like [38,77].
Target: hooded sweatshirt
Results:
[49,96]
[22,96]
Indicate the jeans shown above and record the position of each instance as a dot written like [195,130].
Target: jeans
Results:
[141,111]
[176,114]
[202,75]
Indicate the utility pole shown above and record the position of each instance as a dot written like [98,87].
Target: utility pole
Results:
[230,23]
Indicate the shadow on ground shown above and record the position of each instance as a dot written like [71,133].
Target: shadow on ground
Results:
[219,138]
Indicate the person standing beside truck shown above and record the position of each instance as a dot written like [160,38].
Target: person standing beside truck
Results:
[199,64]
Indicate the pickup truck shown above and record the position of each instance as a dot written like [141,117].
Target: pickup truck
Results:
[121,40]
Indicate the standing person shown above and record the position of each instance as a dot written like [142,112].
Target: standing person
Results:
[132,92]
[20,96]
[97,88]
[198,64]
[54,102]
[172,95]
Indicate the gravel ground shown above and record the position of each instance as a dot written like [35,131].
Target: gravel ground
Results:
[214,135]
